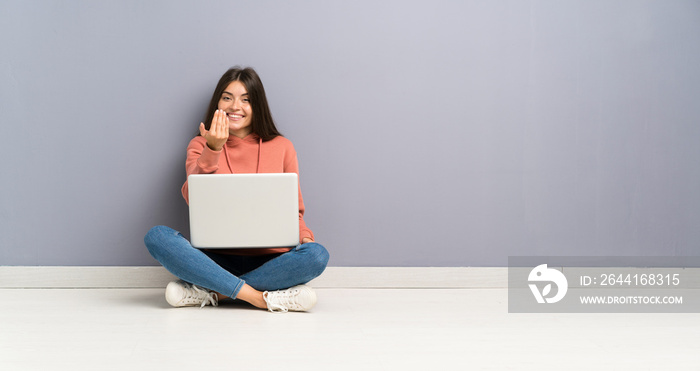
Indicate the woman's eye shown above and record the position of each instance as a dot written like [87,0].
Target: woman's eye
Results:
[226,98]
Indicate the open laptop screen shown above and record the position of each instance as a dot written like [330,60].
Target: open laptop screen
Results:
[244,210]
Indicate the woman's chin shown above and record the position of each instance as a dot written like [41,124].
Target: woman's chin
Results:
[239,132]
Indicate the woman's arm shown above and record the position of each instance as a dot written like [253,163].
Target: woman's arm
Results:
[204,151]
[200,160]
[291,165]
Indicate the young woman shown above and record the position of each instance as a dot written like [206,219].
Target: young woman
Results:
[239,136]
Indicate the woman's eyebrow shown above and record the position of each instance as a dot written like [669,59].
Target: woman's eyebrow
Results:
[231,94]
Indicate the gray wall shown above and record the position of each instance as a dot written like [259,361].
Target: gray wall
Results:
[447,133]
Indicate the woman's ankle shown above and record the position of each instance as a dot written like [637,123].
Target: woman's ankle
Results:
[252,296]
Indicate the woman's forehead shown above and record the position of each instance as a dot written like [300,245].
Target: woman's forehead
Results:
[236,88]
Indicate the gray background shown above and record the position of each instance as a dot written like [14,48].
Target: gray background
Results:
[444,133]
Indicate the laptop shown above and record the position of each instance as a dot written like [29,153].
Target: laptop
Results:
[243,210]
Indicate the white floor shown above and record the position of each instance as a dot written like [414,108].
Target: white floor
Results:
[349,329]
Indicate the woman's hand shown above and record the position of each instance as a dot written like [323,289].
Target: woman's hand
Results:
[306,240]
[217,134]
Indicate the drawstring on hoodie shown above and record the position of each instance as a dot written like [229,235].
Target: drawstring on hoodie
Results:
[257,168]
[228,162]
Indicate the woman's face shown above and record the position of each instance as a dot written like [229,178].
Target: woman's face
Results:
[234,101]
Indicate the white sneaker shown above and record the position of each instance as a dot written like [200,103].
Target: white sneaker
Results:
[183,294]
[298,298]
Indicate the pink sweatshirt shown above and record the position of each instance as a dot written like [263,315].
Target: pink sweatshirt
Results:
[247,155]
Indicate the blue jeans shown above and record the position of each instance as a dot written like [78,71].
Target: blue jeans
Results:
[226,274]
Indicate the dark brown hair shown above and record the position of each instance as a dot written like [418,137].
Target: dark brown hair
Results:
[261,123]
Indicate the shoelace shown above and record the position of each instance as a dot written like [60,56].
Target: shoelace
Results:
[281,301]
[196,292]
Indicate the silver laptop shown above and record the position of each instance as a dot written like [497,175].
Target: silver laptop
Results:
[243,210]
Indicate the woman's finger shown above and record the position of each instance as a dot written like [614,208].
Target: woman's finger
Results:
[213,127]
[219,124]
[223,124]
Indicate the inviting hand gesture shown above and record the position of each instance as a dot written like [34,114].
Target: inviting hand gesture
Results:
[217,134]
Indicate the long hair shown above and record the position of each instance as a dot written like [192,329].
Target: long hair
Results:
[261,123]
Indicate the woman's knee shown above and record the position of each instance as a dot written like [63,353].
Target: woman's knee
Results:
[318,255]
[157,237]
